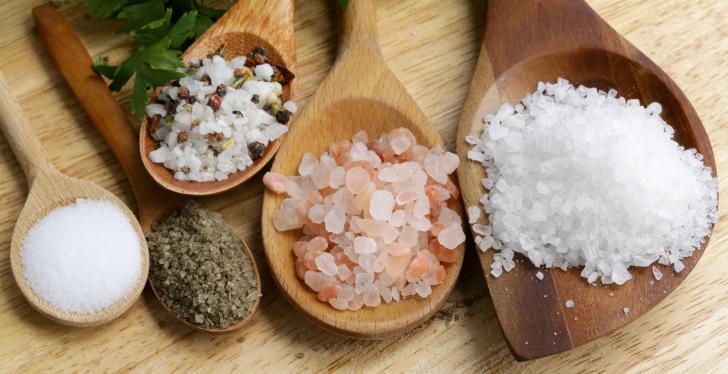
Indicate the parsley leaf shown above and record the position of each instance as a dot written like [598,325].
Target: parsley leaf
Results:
[162,29]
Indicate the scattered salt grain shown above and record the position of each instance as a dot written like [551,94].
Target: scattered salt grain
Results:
[626,310]
[378,229]
[569,303]
[82,257]
[656,273]
[565,190]
[539,275]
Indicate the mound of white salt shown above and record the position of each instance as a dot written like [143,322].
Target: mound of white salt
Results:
[580,177]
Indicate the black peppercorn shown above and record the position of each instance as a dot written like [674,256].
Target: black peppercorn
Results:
[255,99]
[206,79]
[256,150]
[283,116]
[221,90]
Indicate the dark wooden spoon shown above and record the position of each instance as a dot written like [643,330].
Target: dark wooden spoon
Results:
[530,41]
[244,26]
[74,63]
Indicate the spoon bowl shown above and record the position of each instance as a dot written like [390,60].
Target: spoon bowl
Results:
[360,93]
[244,26]
[49,189]
[565,39]
[153,202]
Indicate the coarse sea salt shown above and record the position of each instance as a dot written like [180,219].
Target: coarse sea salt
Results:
[218,119]
[82,257]
[374,217]
[578,177]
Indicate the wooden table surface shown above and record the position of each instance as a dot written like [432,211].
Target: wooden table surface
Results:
[431,46]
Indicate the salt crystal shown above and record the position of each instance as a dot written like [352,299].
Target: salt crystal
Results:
[364,245]
[569,303]
[381,205]
[626,310]
[452,236]
[309,163]
[356,178]
[325,262]
[539,275]
[334,220]
[371,296]
[317,213]
[82,257]
[343,272]
[656,273]
[400,144]
[473,214]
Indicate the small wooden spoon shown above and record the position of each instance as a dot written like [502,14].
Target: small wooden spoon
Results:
[360,93]
[530,41]
[244,26]
[74,63]
[49,189]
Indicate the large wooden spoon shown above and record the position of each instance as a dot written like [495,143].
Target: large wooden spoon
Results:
[360,93]
[74,63]
[244,26]
[530,41]
[49,189]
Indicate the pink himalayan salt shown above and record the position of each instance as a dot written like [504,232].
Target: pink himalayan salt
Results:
[452,236]
[275,182]
[376,226]
[381,205]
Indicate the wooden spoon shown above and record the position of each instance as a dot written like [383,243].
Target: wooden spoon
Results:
[360,93]
[530,41]
[49,189]
[244,26]
[74,63]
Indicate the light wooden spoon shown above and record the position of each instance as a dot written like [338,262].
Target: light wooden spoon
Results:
[360,93]
[74,63]
[49,189]
[530,41]
[244,26]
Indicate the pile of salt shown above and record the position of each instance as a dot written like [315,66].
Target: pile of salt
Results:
[82,257]
[375,220]
[580,177]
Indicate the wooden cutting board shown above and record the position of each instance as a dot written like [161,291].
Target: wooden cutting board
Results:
[431,46]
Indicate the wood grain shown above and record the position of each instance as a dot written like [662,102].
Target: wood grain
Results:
[566,39]
[246,25]
[431,47]
[49,190]
[74,63]
[347,102]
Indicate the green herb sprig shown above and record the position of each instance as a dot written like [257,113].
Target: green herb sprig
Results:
[161,29]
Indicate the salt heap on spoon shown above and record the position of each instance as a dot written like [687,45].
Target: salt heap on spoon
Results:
[375,220]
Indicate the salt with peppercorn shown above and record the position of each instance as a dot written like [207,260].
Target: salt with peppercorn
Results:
[221,117]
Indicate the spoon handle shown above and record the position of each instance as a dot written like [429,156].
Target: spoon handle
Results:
[17,130]
[360,26]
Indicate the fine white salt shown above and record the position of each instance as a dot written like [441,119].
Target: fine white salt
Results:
[82,257]
[578,177]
